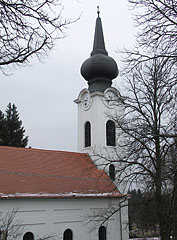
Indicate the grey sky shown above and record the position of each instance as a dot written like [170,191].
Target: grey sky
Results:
[44,92]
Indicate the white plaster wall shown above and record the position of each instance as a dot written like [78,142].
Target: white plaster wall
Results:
[54,216]
[97,115]
[97,119]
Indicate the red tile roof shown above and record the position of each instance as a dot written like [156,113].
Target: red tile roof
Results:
[47,173]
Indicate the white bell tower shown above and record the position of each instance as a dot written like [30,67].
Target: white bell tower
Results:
[96,129]
[97,132]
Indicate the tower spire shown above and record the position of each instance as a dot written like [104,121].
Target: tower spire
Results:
[99,69]
[98,44]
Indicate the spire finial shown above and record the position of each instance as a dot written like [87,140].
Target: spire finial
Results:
[98,11]
[98,45]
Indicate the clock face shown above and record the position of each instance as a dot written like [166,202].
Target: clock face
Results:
[86,101]
[110,99]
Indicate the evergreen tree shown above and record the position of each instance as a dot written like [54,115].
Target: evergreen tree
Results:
[1,126]
[11,129]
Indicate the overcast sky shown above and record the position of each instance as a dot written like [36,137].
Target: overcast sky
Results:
[44,92]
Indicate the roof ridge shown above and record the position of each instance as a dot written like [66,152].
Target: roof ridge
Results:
[42,150]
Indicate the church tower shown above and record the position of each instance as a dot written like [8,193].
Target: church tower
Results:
[97,132]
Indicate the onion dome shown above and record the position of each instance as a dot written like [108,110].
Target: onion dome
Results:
[100,69]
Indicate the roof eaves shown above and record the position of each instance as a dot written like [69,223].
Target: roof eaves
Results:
[59,195]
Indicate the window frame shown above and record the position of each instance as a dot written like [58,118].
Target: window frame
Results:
[87,134]
[110,133]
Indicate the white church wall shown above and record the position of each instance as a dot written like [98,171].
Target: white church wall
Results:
[54,216]
[98,112]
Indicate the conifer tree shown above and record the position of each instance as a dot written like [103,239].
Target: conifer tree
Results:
[11,129]
[1,126]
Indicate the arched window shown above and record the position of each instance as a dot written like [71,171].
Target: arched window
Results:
[112,172]
[102,233]
[110,133]
[87,134]
[28,236]
[68,235]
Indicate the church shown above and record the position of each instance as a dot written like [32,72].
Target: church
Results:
[62,195]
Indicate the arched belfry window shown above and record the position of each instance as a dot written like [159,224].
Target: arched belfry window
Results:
[112,173]
[110,133]
[28,236]
[68,235]
[87,134]
[102,233]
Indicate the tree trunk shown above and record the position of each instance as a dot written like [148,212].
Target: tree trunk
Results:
[162,212]
[164,221]
[174,214]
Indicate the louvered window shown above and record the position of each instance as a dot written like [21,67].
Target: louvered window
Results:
[87,134]
[110,133]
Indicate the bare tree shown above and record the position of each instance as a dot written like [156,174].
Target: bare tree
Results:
[28,28]
[157,22]
[12,228]
[149,134]
[148,127]
[100,216]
